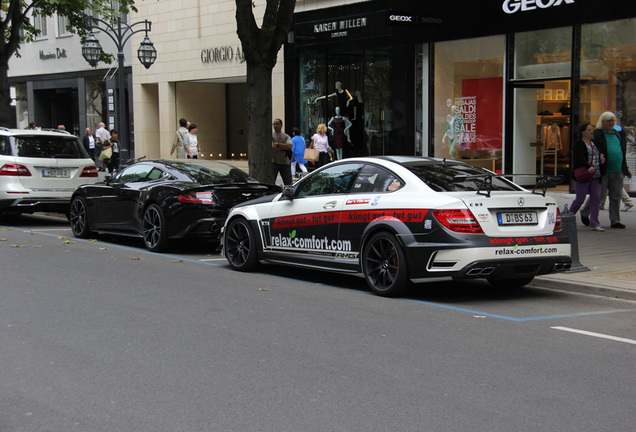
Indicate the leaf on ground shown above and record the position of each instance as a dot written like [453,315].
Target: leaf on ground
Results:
[261,289]
[103,248]
[177,261]
[479,316]
[68,242]
[18,246]
[93,240]
[37,246]
[4,239]
[63,238]
[6,229]
[137,259]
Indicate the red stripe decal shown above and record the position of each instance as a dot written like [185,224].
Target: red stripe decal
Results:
[344,217]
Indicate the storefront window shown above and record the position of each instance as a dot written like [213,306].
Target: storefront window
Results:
[543,54]
[469,100]
[95,102]
[608,71]
[350,93]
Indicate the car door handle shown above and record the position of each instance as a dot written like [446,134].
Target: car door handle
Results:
[330,205]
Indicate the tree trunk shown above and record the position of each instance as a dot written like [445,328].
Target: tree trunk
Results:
[259,122]
[6,116]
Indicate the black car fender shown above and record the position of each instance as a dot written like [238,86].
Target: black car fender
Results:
[392,225]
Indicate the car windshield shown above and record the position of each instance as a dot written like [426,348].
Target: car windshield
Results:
[42,146]
[439,177]
[206,172]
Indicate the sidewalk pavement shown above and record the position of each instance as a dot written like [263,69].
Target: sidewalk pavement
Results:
[607,259]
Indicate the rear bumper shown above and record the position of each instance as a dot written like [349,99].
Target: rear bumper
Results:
[34,204]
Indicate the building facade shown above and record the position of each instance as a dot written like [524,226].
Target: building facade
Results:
[53,84]
[502,84]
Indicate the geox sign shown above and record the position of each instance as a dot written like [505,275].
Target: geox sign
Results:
[512,6]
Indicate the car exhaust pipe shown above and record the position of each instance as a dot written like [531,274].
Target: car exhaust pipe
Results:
[215,228]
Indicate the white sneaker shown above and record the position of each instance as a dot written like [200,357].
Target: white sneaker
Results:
[628,206]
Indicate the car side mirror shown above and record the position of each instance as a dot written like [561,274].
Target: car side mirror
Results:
[288,192]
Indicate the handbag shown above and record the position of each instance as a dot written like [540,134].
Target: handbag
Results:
[106,154]
[311,154]
[581,174]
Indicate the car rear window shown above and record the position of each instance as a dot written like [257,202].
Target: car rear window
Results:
[209,172]
[444,178]
[62,147]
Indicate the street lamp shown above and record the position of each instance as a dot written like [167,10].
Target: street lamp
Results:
[120,32]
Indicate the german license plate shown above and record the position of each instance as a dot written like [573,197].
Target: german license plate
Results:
[517,218]
[57,173]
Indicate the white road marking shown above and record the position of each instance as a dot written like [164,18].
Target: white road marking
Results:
[212,259]
[598,335]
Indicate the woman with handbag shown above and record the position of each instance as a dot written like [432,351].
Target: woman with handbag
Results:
[113,145]
[587,160]
[320,142]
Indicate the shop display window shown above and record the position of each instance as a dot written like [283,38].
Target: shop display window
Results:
[468,100]
[350,93]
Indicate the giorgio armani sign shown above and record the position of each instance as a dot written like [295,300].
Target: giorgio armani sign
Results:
[224,54]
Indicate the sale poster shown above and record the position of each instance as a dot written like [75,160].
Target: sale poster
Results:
[481,106]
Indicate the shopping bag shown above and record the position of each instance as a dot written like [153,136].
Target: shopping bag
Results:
[106,154]
[311,154]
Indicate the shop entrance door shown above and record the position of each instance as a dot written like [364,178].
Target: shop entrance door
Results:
[541,125]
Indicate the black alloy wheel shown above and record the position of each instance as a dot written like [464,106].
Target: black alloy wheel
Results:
[240,245]
[384,265]
[154,226]
[78,217]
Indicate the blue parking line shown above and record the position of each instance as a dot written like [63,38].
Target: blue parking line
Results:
[437,305]
[509,318]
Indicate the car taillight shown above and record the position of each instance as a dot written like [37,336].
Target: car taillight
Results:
[15,170]
[558,226]
[458,220]
[197,197]
[89,171]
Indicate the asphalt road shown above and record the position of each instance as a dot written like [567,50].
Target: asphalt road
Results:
[104,336]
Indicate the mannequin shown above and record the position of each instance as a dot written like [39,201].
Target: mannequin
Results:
[339,131]
[343,96]
[454,131]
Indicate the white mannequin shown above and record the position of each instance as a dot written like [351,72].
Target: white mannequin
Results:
[339,90]
[346,130]
[454,131]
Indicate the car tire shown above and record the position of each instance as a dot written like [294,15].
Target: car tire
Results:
[384,265]
[510,283]
[78,218]
[240,245]
[154,229]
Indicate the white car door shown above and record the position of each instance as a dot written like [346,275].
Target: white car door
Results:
[308,225]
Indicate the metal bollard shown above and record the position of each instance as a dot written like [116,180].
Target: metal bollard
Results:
[568,219]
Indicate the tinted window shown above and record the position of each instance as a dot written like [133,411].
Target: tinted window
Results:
[134,173]
[373,178]
[439,177]
[5,146]
[206,173]
[49,147]
[333,180]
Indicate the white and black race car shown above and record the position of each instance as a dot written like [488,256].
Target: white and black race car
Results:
[399,219]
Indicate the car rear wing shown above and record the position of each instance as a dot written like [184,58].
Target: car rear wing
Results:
[542,181]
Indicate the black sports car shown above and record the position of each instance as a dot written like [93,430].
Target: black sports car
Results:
[162,199]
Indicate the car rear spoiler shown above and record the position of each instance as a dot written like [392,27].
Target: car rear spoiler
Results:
[542,181]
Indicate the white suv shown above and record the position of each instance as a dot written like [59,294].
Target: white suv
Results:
[40,169]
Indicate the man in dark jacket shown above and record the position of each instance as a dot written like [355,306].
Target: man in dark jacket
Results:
[613,145]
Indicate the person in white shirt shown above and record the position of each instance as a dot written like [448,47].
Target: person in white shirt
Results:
[191,143]
[102,135]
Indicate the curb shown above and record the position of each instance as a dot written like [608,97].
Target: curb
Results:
[583,288]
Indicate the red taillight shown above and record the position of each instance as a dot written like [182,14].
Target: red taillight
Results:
[458,220]
[197,197]
[15,170]
[89,171]
[558,226]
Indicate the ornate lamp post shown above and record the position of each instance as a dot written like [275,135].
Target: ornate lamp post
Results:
[120,32]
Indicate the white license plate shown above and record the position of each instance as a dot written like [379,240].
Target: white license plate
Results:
[517,218]
[57,173]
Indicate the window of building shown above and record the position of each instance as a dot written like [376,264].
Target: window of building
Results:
[62,24]
[349,92]
[39,22]
[608,71]
[468,100]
